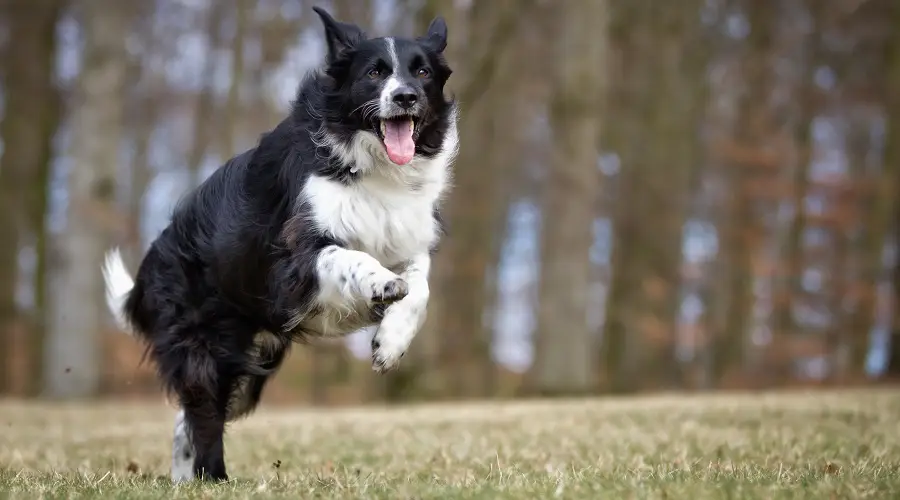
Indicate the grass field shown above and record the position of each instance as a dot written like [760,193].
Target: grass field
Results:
[789,445]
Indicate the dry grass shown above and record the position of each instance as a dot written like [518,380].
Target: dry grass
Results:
[816,445]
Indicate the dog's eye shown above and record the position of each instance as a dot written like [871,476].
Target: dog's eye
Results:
[374,73]
[423,72]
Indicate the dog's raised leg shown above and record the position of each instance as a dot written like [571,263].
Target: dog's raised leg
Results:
[402,319]
[346,276]
[182,451]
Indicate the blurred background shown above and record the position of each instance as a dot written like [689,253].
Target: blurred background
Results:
[650,195]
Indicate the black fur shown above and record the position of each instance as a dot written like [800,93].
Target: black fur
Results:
[238,257]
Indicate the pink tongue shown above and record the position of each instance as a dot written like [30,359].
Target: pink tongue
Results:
[398,141]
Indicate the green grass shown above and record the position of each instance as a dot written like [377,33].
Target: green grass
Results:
[788,445]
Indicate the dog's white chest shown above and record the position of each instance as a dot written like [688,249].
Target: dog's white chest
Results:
[389,222]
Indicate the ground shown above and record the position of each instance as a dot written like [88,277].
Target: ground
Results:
[787,445]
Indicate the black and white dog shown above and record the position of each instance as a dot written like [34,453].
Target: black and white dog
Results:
[325,227]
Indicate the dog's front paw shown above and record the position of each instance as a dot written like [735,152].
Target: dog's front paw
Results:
[394,334]
[390,291]
[386,353]
[390,341]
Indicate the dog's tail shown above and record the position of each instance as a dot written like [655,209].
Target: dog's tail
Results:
[118,284]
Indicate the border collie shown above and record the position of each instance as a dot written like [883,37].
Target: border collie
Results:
[325,227]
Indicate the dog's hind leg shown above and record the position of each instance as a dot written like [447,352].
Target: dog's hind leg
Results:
[269,354]
[203,383]
[205,419]
[212,391]
[182,451]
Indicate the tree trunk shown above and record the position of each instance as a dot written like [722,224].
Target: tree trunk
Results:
[892,370]
[455,344]
[795,261]
[892,166]
[141,176]
[205,106]
[739,228]
[354,11]
[233,107]
[865,251]
[662,100]
[142,118]
[564,362]
[30,121]
[74,357]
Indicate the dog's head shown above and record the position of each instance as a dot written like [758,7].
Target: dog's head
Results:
[391,87]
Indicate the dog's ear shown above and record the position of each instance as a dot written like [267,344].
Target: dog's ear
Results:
[339,36]
[436,36]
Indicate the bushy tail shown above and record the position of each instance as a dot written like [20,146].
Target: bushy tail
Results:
[118,283]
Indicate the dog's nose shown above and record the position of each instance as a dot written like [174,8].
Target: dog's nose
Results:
[404,97]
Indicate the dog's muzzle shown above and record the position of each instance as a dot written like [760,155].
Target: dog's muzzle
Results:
[397,124]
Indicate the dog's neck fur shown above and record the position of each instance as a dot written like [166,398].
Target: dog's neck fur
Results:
[387,210]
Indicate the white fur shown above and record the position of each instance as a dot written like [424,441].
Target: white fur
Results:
[392,51]
[385,100]
[182,451]
[118,283]
[403,319]
[350,282]
[389,222]
[386,220]
[387,212]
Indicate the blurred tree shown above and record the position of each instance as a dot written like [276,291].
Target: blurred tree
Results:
[242,19]
[864,200]
[145,85]
[73,361]
[457,339]
[786,329]
[564,359]
[527,115]
[876,189]
[31,118]
[739,226]
[356,11]
[659,105]
[892,164]
[205,118]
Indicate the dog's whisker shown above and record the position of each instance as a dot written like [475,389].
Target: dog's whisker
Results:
[370,102]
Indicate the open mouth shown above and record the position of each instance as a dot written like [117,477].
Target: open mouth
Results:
[397,134]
